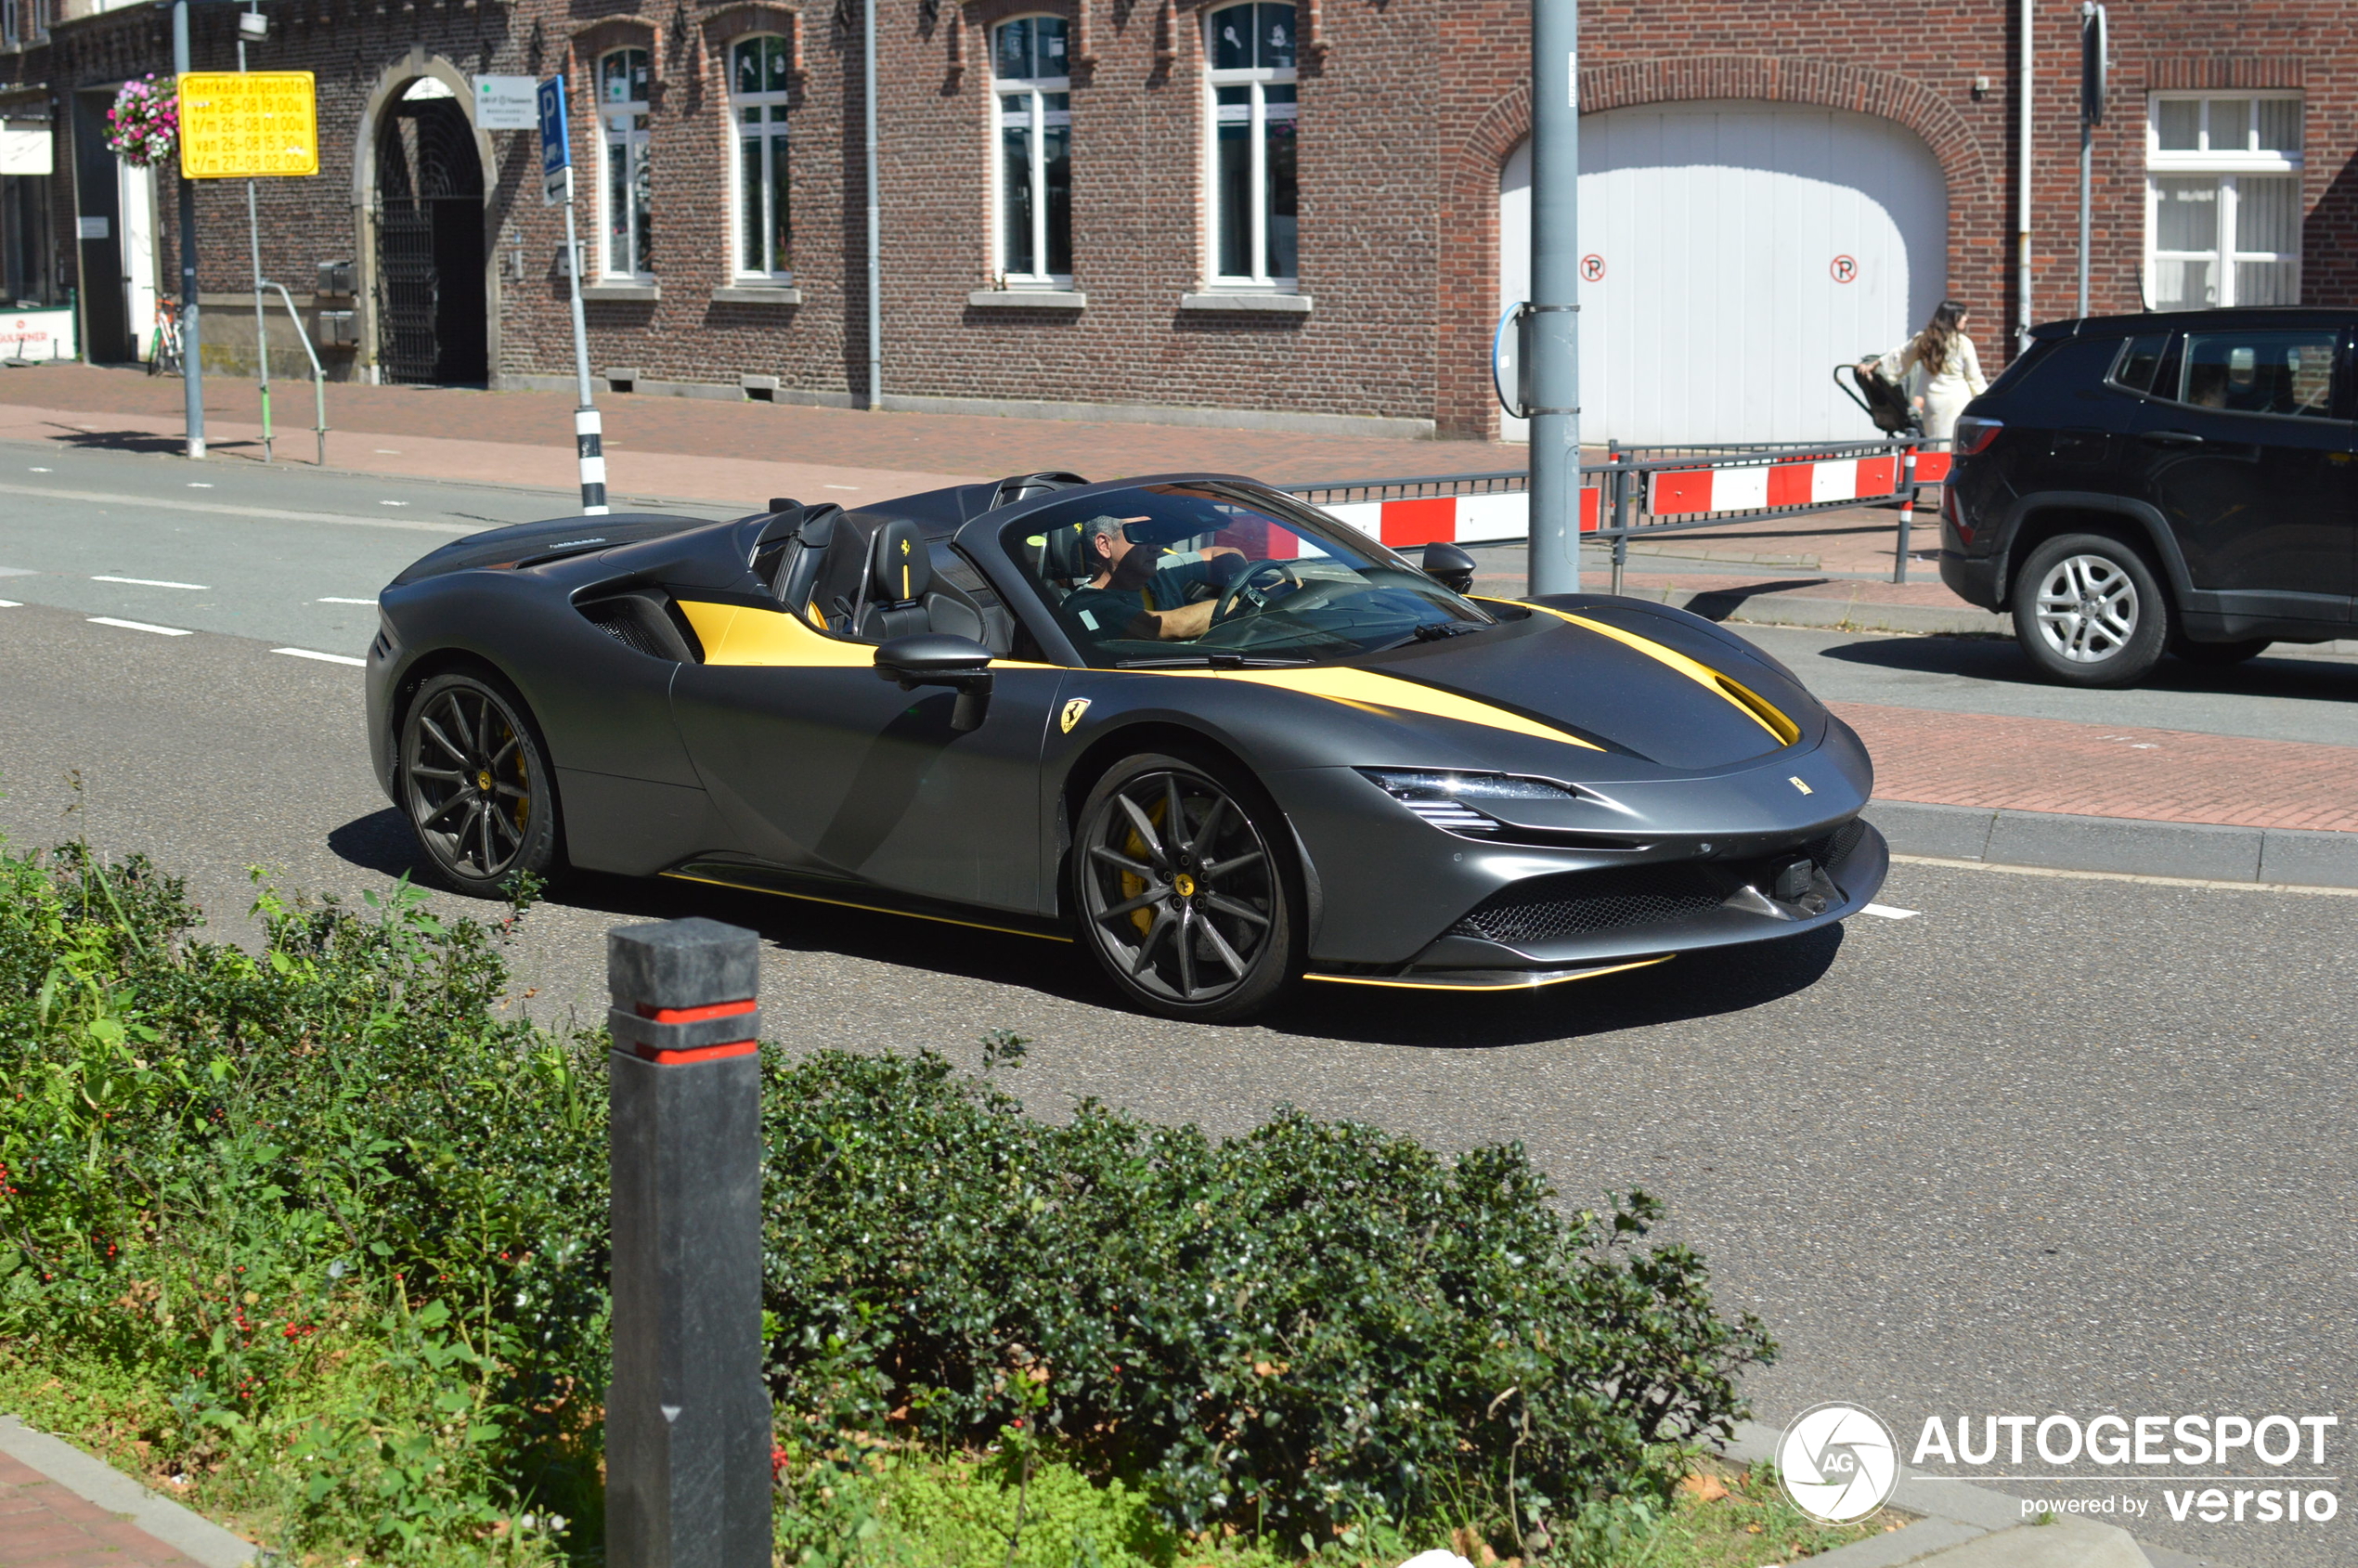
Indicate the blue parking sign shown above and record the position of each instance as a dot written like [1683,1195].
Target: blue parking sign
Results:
[556,143]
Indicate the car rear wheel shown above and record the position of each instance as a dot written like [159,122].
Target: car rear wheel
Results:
[474,784]
[1183,885]
[2090,612]
[2219,655]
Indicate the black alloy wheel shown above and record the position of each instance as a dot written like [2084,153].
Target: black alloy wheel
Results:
[1183,885]
[475,785]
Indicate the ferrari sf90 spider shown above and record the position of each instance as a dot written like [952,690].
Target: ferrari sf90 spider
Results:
[1221,740]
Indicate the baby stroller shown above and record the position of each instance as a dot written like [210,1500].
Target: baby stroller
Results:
[1882,401]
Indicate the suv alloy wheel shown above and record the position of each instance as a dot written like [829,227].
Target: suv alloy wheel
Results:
[2090,612]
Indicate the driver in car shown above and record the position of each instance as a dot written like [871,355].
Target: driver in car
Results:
[1122,600]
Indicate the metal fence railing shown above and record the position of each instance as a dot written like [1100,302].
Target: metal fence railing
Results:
[1641,491]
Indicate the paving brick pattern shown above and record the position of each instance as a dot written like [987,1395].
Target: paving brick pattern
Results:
[43,1525]
[2099,770]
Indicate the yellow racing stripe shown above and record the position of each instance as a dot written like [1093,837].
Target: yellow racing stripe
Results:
[1726,688]
[1371,688]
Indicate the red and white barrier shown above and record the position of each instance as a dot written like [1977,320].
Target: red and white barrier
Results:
[1453,518]
[1756,486]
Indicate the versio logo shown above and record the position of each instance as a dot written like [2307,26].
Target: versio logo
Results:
[1838,1462]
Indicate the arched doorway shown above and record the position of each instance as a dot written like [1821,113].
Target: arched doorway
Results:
[1735,252]
[426,213]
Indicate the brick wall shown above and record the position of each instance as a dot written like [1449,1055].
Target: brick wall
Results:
[1408,111]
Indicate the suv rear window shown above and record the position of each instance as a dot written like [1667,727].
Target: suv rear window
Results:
[2260,373]
[2140,357]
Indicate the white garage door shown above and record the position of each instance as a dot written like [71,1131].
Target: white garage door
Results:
[1733,253]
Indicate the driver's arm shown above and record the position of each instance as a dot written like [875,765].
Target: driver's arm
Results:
[1173,626]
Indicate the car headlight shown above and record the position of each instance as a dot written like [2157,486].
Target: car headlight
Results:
[1441,799]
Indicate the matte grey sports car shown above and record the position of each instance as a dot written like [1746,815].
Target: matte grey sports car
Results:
[1220,739]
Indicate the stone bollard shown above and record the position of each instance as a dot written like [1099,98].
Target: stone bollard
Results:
[688,1435]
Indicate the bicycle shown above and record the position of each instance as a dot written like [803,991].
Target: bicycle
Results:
[163,349]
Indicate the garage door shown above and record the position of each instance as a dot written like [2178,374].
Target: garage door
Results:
[1732,254]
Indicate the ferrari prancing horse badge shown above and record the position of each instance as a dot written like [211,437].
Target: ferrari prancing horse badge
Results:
[1073,710]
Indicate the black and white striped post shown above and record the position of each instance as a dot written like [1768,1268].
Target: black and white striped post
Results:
[688,1426]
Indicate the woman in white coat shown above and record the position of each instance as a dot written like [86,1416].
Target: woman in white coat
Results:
[1947,371]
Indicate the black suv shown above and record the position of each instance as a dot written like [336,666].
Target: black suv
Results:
[2140,484]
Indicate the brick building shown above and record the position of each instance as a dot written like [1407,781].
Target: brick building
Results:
[1179,208]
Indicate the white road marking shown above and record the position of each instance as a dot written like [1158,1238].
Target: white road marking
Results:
[347,601]
[387,452]
[323,658]
[838,487]
[18,572]
[141,626]
[154,582]
[40,471]
[10,604]
[392,503]
[199,485]
[1887,912]
[256,513]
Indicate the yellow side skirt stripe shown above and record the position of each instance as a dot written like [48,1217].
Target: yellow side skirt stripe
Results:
[872,909]
[1533,984]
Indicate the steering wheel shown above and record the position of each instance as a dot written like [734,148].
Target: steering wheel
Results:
[1243,588]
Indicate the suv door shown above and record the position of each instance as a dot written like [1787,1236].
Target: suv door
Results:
[2248,451]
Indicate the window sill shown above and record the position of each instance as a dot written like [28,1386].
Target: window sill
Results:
[1029,299]
[594,293]
[758,293]
[1292,304]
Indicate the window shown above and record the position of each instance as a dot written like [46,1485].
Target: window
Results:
[2223,224]
[1252,144]
[626,250]
[2288,372]
[760,80]
[2133,370]
[1032,79]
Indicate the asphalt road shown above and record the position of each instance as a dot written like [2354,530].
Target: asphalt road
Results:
[2054,1144]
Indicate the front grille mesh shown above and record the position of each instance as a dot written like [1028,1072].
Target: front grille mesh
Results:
[1832,849]
[1551,908]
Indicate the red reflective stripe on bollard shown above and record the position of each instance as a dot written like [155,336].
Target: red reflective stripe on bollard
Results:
[701,1053]
[695,1015]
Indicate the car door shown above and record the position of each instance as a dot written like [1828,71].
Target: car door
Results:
[821,765]
[2247,453]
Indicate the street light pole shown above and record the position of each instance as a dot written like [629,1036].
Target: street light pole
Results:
[1554,323]
[191,358]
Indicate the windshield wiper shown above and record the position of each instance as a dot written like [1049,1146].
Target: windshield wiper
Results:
[1434,632]
[1216,660]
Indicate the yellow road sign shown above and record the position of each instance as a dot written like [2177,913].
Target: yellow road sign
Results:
[245,124]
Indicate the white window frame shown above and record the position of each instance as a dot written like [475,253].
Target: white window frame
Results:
[1258,114]
[2225,164]
[781,267]
[1021,103]
[628,124]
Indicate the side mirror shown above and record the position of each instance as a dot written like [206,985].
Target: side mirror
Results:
[932,659]
[1449,567]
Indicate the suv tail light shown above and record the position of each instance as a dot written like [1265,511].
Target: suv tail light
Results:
[1975,434]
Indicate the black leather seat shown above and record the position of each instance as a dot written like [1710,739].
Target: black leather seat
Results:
[901,600]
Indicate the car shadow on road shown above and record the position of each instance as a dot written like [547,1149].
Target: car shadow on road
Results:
[1999,661]
[1693,985]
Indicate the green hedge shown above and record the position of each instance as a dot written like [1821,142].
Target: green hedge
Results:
[219,1165]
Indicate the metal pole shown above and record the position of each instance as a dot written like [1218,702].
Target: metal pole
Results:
[1554,337]
[260,323]
[688,1420]
[191,355]
[318,376]
[1907,511]
[1621,481]
[875,256]
[2022,196]
[588,434]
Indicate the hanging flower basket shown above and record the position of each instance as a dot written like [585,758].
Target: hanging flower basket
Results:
[144,124]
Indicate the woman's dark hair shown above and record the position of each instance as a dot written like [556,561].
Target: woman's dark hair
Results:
[1939,340]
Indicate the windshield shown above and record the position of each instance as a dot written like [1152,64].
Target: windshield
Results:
[1174,574]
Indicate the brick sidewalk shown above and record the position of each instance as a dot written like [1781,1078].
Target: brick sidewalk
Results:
[43,1525]
[1989,762]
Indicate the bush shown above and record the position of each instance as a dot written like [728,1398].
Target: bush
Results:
[338,1225]
[1315,1325]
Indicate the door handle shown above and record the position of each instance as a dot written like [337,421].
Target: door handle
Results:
[2171,437]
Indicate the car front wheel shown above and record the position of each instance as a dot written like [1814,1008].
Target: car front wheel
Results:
[1182,886]
[2090,612]
[474,784]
